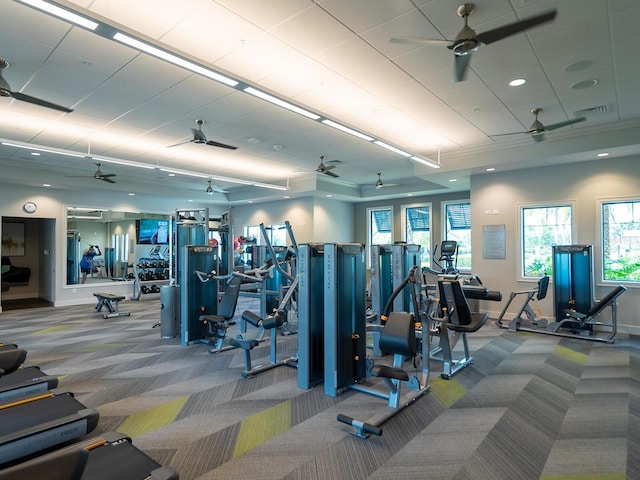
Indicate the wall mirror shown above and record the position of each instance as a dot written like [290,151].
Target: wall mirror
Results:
[124,239]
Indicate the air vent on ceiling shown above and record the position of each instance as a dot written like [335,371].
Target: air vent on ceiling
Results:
[586,112]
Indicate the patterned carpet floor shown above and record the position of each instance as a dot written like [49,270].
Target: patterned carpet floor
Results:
[529,407]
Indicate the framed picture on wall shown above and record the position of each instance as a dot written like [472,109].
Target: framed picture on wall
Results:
[12,239]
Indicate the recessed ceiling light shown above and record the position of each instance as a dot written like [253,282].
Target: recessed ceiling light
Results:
[517,82]
[453,179]
[329,195]
[171,174]
[132,194]
[287,196]
[584,84]
[603,154]
[35,154]
[491,169]
[46,184]
[190,200]
[578,66]
[250,201]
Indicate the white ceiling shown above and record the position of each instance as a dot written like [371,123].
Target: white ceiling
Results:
[333,57]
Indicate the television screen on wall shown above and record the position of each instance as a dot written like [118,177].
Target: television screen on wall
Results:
[153,232]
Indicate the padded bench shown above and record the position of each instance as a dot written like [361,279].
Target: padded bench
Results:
[110,301]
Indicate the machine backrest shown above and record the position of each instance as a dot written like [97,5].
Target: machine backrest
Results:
[399,335]
[452,297]
[229,300]
[606,300]
[543,286]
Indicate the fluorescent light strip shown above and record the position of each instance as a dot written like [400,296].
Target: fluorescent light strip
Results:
[425,162]
[42,149]
[392,148]
[281,103]
[171,58]
[61,13]
[348,130]
[124,162]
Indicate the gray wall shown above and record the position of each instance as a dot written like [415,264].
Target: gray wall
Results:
[581,183]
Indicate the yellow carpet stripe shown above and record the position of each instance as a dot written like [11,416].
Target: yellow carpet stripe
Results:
[587,476]
[447,392]
[152,418]
[263,426]
[57,328]
[572,355]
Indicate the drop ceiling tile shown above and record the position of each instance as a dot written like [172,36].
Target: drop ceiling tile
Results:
[362,15]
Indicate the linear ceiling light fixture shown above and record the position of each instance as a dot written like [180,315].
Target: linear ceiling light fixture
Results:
[172,58]
[281,103]
[348,130]
[40,149]
[124,162]
[63,13]
[112,33]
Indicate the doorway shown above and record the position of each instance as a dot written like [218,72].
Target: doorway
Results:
[28,263]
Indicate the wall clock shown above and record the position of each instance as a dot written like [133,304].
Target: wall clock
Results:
[30,207]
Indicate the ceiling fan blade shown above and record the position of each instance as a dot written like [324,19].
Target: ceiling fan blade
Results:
[37,101]
[424,41]
[181,143]
[511,133]
[460,67]
[331,174]
[221,145]
[105,178]
[564,124]
[513,28]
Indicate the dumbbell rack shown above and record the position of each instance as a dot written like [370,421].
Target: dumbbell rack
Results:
[149,273]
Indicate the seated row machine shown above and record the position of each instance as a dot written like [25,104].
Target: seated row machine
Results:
[451,324]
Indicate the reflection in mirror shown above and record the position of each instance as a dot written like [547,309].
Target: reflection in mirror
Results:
[117,242]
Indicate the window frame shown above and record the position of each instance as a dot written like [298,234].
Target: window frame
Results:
[520,237]
[370,211]
[445,228]
[426,249]
[600,255]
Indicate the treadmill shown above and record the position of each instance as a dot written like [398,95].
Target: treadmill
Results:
[39,422]
[25,382]
[11,358]
[110,456]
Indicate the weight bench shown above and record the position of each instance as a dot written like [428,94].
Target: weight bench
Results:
[110,301]
[589,319]
[456,321]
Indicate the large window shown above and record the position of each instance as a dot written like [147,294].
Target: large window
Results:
[417,229]
[457,219]
[379,227]
[542,227]
[621,241]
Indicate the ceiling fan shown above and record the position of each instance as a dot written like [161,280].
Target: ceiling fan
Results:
[5,91]
[211,189]
[105,177]
[380,183]
[200,138]
[326,169]
[467,41]
[537,129]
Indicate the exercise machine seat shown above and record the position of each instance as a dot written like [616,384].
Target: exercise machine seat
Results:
[597,308]
[461,318]
[227,305]
[398,337]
